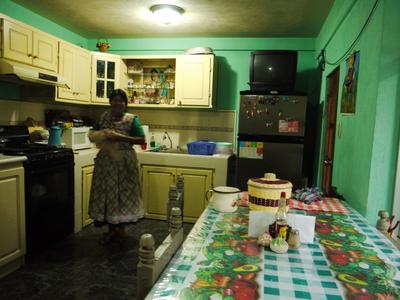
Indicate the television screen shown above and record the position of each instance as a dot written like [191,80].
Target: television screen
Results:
[273,70]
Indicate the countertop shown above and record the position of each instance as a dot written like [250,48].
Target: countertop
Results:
[5,159]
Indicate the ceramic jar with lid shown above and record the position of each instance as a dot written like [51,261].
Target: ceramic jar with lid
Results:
[264,193]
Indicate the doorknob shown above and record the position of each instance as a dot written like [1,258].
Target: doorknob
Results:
[328,161]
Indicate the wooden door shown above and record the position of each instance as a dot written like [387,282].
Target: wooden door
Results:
[193,78]
[196,183]
[12,215]
[87,176]
[332,91]
[155,185]
[83,76]
[45,51]
[17,42]
[67,70]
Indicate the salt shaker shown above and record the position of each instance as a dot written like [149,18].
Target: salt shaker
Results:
[294,239]
[383,223]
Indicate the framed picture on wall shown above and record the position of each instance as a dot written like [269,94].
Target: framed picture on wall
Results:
[349,93]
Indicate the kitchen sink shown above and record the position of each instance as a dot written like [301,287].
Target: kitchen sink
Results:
[169,150]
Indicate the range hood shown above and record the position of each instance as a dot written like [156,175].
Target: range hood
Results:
[19,73]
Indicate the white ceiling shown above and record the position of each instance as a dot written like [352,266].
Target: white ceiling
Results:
[202,18]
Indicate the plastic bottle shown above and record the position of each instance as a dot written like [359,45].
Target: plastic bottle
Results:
[281,217]
[152,141]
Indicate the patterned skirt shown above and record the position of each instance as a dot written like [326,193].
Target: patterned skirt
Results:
[115,195]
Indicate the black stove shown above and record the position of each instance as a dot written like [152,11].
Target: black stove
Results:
[14,140]
[49,187]
[36,153]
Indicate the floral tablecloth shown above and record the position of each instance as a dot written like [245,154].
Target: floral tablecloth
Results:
[349,259]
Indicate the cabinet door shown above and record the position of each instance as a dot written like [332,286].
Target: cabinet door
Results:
[87,176]
[17,42]
[105,76]
[83,75]
[194,80]
[67,69]
[155,185]
[196,183]
[45,51]
[12,215]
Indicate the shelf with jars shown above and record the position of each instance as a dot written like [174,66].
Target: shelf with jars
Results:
[169,80]
[150,81]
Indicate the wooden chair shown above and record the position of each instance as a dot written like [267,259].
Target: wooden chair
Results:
[153,261]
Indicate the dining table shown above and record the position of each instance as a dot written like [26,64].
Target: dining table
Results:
[348,259]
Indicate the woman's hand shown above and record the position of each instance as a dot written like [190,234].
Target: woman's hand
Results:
[111,135]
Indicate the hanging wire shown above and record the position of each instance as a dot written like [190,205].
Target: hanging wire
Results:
[322,59]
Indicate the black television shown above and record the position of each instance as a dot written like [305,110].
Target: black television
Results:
[273,70]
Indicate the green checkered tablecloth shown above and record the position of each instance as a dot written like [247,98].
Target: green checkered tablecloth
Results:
[304,273]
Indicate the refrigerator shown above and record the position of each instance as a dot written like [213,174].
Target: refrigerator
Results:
[271,137]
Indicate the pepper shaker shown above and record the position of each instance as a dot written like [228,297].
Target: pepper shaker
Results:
[294,239]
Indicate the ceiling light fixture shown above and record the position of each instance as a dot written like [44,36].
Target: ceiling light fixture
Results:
[166,13]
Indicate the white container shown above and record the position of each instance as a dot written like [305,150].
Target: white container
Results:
[147,135]
[223,148]
[223,198]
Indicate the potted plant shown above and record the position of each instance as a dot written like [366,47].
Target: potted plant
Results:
[103,45]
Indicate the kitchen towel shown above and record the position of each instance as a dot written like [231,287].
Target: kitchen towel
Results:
[326,204]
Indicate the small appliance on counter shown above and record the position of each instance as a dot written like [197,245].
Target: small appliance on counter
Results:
[76,138]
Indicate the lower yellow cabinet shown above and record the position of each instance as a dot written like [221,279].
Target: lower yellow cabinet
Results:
[155,184]
[87,176]
[12,219]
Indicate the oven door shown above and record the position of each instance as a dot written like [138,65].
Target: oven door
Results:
[49,202]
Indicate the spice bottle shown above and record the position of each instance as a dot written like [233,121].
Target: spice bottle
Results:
[281,227]
[152,141]
[294,239]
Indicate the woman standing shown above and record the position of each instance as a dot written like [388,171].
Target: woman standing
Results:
[115,197]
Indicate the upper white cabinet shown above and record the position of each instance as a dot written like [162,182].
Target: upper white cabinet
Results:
[194,80]
[22,43]
[75,66]
[169,81]
[105,76]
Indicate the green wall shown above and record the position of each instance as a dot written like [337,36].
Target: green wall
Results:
[26,16]
[233,56]
[365,154]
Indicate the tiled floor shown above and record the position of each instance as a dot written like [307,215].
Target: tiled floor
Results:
[80,268]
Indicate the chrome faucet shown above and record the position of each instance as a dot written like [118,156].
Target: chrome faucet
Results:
[166,136]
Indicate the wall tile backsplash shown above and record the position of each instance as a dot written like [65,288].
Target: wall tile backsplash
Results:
[185,126]
[182,126]
[15,112]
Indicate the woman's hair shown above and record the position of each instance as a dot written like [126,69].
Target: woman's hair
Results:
[121,93]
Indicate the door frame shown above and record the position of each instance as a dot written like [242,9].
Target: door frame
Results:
[328,144]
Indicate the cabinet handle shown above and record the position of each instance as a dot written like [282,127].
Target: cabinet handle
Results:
[29,55]
[35,56]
